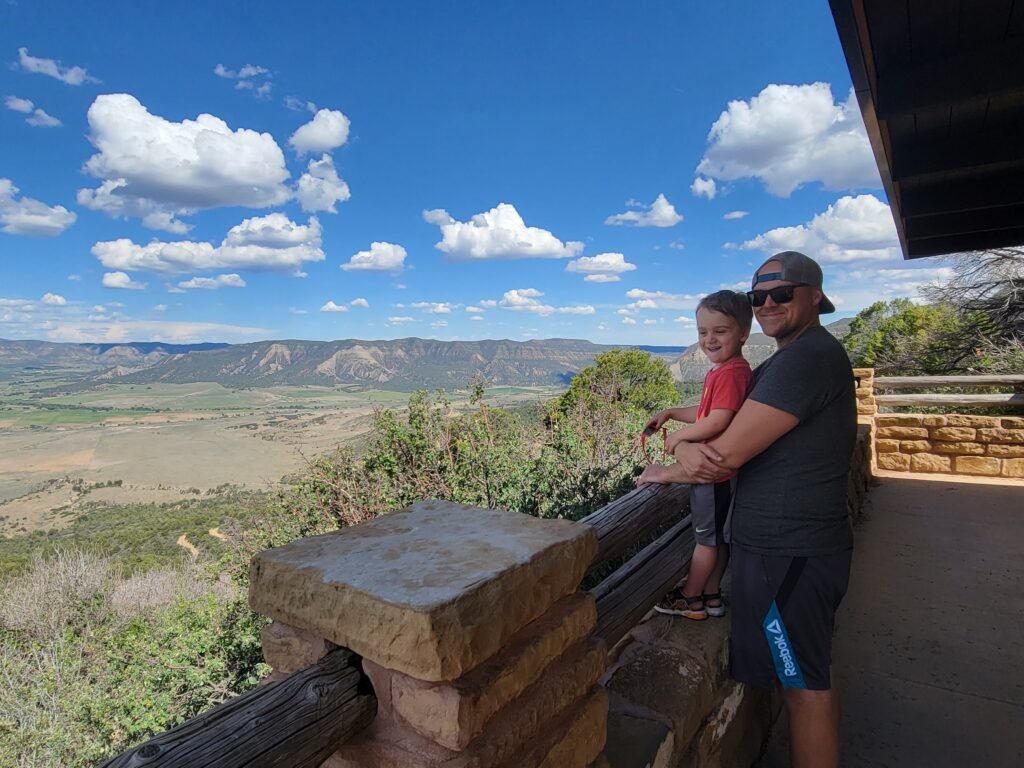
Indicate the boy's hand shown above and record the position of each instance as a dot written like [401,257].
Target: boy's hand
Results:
[674,439]
[657,422]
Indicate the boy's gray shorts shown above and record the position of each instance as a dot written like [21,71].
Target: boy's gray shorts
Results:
[710,505]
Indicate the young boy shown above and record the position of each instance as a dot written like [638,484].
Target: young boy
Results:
[723,325]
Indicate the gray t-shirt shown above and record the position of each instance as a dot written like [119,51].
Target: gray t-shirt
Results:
[791,498]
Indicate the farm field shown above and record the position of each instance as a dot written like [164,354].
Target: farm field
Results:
[154,444]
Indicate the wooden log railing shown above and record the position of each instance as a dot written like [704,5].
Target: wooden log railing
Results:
[625,596]
[1000,400]
[297,722]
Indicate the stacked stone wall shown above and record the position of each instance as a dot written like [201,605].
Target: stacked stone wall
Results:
[472,630]
[989,446]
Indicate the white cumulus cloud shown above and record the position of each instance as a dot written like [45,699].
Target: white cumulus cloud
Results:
[330,306]
[661,299]
[660,214]
[360,302]
[703,187]
[326,131]
[36,116]
[320,187]
[52,68]
[54,299]
[790,135]
[262,244]
[16,104]
[583,309]
[734,215]
[400,320]
[156,169]
[852,229]
[121,280]
[213,283]
[25,216]
[435,307]
[382,257]
[525,300]
[602,268]
[499,233]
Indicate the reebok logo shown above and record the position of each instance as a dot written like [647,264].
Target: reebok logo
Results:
[785,655]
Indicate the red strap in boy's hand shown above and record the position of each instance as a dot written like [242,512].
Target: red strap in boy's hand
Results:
[664,444]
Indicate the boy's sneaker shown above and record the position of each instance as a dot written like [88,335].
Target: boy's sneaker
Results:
[714,610]
[675,603]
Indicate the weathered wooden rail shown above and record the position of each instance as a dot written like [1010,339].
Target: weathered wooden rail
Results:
[299,721]
[919,400]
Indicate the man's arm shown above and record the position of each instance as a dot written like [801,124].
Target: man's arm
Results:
[755,427]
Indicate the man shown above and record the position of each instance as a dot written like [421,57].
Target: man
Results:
[791,539]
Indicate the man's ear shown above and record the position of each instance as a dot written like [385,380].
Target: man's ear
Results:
[818,296]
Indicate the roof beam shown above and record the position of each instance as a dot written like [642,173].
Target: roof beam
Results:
[981,220]
[990,71]
[967,241]
[964,195]
[977,152]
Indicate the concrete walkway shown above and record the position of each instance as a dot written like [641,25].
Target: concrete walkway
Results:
[929,652]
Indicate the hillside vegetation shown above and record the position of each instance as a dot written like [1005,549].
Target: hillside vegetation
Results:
[109,632]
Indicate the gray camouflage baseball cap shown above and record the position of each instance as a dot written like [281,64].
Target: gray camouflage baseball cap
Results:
[796,268]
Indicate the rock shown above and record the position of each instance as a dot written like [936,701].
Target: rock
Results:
[915,446]
[1006,451]
[1000,435]
[887,446]
[453,714]
[961,449]
[928,462]
[976,465]
[954,434]
[1013,468]
[288,649]
[903,433]
[899,420]
[896,462]
[431,591]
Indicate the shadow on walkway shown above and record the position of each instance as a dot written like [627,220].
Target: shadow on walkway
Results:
[929,650]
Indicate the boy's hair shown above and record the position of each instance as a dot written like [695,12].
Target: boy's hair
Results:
[732,304]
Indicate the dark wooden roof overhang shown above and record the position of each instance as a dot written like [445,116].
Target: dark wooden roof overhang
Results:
[940,84]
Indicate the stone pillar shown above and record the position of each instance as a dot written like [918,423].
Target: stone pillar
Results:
[866,407]
[472,629]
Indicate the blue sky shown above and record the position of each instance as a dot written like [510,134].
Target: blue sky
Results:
[463,170]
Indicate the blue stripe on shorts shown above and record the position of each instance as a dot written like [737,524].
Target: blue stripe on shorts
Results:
[787,668]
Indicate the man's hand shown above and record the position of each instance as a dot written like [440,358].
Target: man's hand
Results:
[653,473]
[699,463]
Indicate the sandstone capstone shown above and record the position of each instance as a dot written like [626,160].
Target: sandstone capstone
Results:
[431,591]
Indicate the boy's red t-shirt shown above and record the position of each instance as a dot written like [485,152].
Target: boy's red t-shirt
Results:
[726,386]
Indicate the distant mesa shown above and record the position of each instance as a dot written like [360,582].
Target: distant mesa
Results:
[398,364]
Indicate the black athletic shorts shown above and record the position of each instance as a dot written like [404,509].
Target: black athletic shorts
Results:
[783,615]
[709,508]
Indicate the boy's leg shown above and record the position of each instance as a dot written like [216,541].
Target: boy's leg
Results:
[713,585]
[703,564]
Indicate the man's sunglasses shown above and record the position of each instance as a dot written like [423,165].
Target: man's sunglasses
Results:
[782,294]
